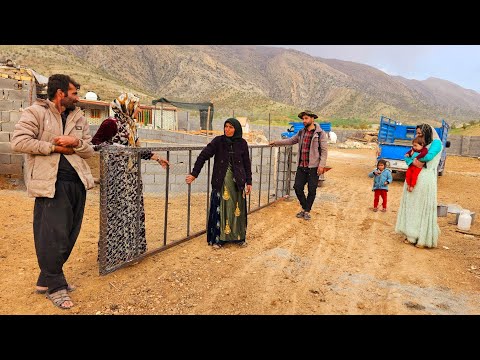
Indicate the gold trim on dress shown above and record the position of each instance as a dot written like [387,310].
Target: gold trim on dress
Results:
[226,195]
[227,229]
[237,211]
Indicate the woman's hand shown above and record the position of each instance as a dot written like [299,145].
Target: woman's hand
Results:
[248,189]
[189,179]
[160,160]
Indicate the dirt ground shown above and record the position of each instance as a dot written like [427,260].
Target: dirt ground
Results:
[346,260]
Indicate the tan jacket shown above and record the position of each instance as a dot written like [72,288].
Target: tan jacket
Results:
[33,135]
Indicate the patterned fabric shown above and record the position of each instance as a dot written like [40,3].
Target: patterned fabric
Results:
[124,106]
[417,214]
[125,210]
[227,221]
[304,156]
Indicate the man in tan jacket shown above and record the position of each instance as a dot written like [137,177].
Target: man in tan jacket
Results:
[56,138]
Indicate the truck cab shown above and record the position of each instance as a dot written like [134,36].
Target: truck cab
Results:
[395,139]
[296,126]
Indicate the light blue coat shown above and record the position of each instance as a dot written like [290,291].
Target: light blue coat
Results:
[379,180]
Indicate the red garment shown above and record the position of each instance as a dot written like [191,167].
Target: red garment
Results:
[412,175]
[105,132]
[305,151]
[383,194]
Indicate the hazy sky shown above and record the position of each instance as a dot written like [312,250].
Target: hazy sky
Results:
[459,64]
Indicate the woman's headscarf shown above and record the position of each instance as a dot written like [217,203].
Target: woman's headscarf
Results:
[238,134]
[428,133]
[124,106]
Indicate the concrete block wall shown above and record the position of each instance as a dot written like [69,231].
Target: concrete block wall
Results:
[15,95]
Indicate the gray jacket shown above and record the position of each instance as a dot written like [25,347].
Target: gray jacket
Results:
[315,158]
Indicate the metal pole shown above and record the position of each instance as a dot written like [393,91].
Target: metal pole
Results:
[284,171]
[189,191]
[269,175]
[188,125]
[208,120]
[166,202]
[250,195]
[208,192]
[260,183]
[161,116]
[269,127]
[289,170]
[278,174]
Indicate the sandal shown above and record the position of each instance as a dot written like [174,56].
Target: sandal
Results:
[307,216]
[243,244]
[375,209]
[70,288]
[407,242]
[300,214]
[384,210]
[216,246]
[58,298]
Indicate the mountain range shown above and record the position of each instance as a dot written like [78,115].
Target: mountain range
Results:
[251,79]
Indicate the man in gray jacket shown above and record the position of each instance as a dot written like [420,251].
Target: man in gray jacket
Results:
[56,138]
[312,158]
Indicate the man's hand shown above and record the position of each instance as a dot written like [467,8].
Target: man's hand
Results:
[320,170]
[248,189]
[66,140]
[418,163]
[189,179]
[271,143]
[64,150]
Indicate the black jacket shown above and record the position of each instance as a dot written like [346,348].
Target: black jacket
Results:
[242,167]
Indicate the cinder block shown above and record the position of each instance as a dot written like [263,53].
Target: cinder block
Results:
[8,84]
[4,158]
[6,105]
[15,116]
[5,148]
[17,95]
[7,127]
[153,168]
[4,136]
[17,158]
[160,179]
[148,178]
[11,169]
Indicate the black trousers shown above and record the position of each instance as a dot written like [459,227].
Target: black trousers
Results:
[306,176]
[56,225]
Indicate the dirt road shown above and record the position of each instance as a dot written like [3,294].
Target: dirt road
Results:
[347,260]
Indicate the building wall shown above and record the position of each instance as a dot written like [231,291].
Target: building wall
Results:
[15,95]
[104,113]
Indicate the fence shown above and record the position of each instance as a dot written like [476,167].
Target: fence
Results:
[131,225]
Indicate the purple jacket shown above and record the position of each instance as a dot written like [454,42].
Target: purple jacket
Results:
[242,168]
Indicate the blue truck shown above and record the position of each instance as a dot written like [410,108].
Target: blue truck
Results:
[296,126]
[395,139]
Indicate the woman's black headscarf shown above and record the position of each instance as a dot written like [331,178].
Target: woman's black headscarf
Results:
[427,132]
[238,130]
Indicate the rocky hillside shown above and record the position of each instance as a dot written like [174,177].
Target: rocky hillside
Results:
[252,78]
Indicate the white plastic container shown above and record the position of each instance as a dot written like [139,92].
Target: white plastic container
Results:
[464,220]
